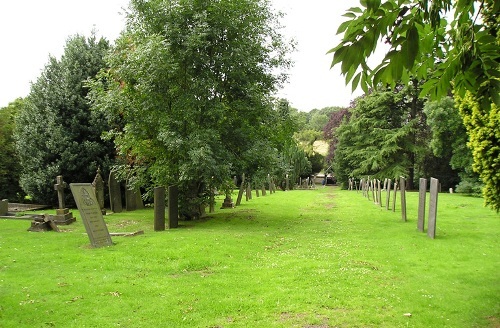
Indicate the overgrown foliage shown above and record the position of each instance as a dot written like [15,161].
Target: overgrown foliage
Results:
[191,81]
[56,133]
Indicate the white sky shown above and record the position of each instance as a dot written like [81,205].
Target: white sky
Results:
[30,30]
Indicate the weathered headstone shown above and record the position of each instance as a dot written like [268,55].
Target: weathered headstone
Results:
[422,190]
[388,194]
[98,185]
[394,195]
[263,188]
[133,199]
[241,191]
[63,215]
[249,191]
[257,192]
[433,201]
[90,212]
[159,207]
[4,207]
[173,207]
[115,193]
[373,191]
[402,188]
[379,193]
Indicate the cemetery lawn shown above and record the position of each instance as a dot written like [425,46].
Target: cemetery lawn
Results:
[322,258]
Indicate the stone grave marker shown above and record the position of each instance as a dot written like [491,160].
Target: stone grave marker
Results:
[263,188]
[115,193]
[422,190]
[379,193]
[133,199]
[4,207]
[63,215]
[159,207]
[433,200]
[388,194]
[373,191]
[394,195]
[241,191]
[173,207]
[402,188]
[98,185]
[90,212]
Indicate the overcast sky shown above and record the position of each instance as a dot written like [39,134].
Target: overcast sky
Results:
[30,30]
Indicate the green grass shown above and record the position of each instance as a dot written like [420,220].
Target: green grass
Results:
[323,258]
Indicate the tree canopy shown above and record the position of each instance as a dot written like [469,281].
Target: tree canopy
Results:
[192,83]
[451,45]
[56,133]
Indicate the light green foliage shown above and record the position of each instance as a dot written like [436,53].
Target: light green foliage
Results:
[56,133]
[9,162]
[385,137]
[462,52]
[192,82]
[484,140]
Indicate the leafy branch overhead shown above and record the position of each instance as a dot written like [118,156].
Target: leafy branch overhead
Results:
[450,44]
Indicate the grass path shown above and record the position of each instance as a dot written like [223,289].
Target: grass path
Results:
[322,258]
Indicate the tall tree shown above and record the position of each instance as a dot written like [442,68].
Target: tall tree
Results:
[460,53]
[384,137]
[56,133]
[192,81]
[9,162]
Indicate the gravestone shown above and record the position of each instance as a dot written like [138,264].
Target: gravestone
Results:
[394,195]
[133,199]
[87,204]
[249,191]
[379,193]
[257,192]
[242,189]
[433,200]
[263,188]
[4,207]
[98,185]
[159,207]
[173,207]
[63,215]
[115,193]
[402,188]
[373,191]
[422,190]
[388,194]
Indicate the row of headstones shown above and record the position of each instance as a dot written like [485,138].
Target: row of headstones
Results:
[374,188]
[246,188]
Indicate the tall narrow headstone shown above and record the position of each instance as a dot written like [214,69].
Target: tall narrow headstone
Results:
[159,204]
[263,190]
[241,191]
[394,195]
[249,191]
[90,212]
[422,190]
[433,201]
[379,193]
[98,185]
[4,207]
[402,188]
[257,192]
[373,191]
[115,193]
[173,207]
[388,194]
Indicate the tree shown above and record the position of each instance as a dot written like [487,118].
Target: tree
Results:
[462,54]
[449,143]
[9,162]
[56,133]
[384,137]
[192,82]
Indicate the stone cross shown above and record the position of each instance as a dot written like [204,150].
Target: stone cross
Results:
[59,187]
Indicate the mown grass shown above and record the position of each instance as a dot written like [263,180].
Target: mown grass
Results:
[323,258]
